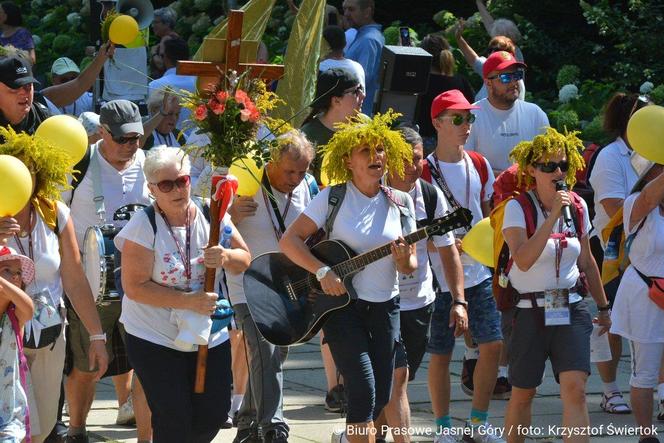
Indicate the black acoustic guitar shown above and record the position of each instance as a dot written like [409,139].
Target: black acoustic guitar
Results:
[286,301]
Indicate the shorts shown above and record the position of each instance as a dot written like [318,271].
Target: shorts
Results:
[414,338]
[483,318]
[532,343]
[78,341]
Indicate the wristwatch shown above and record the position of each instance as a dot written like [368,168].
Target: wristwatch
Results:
[98,337]
[603,308]
[463,303]
[322,272]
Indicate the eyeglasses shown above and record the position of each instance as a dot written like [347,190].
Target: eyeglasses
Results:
[550,167]
[124,140]
[167,186]
[640,102]
[508,77]
[356,90]
[458,120]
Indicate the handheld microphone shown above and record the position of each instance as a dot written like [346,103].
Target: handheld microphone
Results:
[567,214]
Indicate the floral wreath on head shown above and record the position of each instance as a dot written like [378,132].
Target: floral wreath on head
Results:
[361,130]
[50,166]
[550,143]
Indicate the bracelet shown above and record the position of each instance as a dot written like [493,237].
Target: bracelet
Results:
[603,308]
[463,303]
[605,312]
[98,337]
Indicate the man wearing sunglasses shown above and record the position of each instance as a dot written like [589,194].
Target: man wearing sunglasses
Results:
[65,70]
[113,180]
[503,120]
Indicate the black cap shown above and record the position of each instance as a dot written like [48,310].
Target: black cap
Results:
[333,83]
[16,72]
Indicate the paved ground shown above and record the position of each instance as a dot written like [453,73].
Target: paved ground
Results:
[305,390]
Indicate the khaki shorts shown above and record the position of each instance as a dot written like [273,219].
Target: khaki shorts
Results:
[78,338]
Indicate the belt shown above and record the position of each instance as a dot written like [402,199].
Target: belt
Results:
[540,294]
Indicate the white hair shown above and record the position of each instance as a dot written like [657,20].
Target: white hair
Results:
[161,157]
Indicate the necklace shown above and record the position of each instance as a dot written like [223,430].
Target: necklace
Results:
[25,232]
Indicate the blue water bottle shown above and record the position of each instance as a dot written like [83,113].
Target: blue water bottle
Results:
[226,237]
[611,252]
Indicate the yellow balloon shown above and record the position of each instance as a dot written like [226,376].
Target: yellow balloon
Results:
[66,133]
[478,243]
[645,132]
[324,179]
[123,30]
[248,176]
[14,176]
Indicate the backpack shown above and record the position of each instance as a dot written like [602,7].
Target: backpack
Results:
[507,185]
[430,197]
[582,186]
[616,254]
[478,162]
[505,295]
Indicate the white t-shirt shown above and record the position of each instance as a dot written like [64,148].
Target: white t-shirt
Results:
[119,188]
[258,230]
[80,105]
[152,323]
[365,223]
[455,176]
[634,315]
[542,274]
[346,63]
[416,289]
[612,177]
[46,250]
[495,132]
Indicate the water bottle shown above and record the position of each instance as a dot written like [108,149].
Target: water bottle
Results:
[226,237]
[611,251]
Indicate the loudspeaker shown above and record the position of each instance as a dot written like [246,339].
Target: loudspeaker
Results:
[405,69]
[402,102]
[141,10]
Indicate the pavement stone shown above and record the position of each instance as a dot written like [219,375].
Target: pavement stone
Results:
[304,388]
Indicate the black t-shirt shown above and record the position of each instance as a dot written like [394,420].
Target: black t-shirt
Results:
[319,135]
[37,114]
[438,84]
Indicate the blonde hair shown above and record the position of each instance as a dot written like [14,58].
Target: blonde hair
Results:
[447,62]
[546,145]
[161,157]
[365,131]
[295,143]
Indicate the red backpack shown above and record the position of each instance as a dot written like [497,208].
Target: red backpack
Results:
[478,162]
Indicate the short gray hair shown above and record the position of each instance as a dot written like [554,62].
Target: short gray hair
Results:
[295,144]
[508,28]
[411,136]
[167,16]
[161,157]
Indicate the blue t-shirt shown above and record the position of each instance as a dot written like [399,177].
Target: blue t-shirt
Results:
[365,50]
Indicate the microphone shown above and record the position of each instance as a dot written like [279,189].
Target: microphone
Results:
[567,214]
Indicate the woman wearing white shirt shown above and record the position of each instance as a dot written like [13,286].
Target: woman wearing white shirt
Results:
[550,261]
[612,178]
[362,335]
[162,289]
[635,316]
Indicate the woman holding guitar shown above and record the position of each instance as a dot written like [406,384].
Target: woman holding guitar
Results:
[362,335]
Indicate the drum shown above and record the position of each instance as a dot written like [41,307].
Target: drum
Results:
[99,262]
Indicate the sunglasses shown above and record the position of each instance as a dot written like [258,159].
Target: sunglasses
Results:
[550,167]
[124,140]
[508,77]
[167,186]
[356,90]
[458,120]
[640,102]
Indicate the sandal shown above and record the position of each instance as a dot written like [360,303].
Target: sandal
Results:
[615,404]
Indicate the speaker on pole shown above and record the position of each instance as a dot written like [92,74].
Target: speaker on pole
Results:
[405,75]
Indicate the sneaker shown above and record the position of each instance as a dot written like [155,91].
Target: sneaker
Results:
[126,414]
[247,436]
[58,433]
[80,438]
[235,415]
[335,400]
[660,413]
[337,435]
[228,424]
[614,403]
[502,390]
[467,371]
[276,436]
[488,434]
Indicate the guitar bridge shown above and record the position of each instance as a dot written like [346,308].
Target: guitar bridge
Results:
[290,290]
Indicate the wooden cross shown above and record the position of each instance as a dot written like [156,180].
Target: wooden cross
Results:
[210,70]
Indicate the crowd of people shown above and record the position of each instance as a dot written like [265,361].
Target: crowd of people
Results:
[134,196]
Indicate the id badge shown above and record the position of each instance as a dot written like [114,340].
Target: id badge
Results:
[556,308]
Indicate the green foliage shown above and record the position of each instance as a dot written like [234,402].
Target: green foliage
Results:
[657,95]
[391,34]
[564,120]
[568,75]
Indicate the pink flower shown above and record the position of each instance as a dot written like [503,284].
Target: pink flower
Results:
[200,113]
[216,107]
[242,97]
[221,96]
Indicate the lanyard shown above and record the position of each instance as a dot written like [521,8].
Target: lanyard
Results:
[437,174]
[559,238]
[185,255]
[18,240]
[278,230]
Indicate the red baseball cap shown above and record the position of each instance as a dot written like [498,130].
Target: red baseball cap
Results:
[452,99]
[498,61]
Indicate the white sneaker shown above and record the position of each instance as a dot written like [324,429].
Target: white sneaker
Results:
[485,433]
[126,413]
[337,436]
[444,438]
